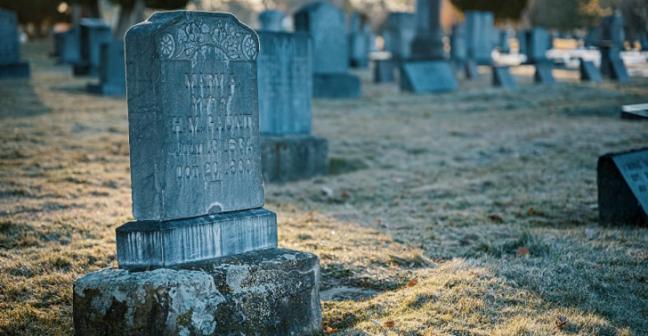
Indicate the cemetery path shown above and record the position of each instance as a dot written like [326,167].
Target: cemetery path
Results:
[469,213]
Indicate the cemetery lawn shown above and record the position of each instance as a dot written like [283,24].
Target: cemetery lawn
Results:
[470,213]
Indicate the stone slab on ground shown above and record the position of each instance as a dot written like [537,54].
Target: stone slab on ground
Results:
[622,180]
[152,244]
[293,157]
[634,112]
[266,292]
[336,85]
[427,77]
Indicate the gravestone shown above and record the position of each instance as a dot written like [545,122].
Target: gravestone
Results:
[479,35]
[589,72]
[398,31]
[504,44]
[470,69]
[325,24]
[543,73]
[634,112]
[93,33]
[427,77]
[57,43]
[612,65]
[458,50]
[428,42]
[288,150]
[622,180]
[112,74]
[10,64]
[70,52]
[359,41]
[272,20]
[200,256]
[522,42]
[502,77]
[384,69]
[538,43]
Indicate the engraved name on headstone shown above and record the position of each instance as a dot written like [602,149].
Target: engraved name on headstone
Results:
[428,77]
[112,73]
[623,187]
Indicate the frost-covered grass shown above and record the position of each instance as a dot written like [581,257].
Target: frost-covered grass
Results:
[471,213]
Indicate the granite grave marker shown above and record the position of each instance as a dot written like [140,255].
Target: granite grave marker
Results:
[428,42]
[93,33]
[428,77]
[288,150]
[479,36]
[272,20]
[623,187]
[325,24]
[201,245]
[112,73]
[458,50]
[384,69]
[502,77]
[589,72]
[398,32]
[543,73]
[634,112]
[10,64]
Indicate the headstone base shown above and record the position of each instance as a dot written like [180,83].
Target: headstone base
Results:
[153,244]
[15,70]
[589,72]
[106,89]
[427,77]
[384,71]
[336,85]
[84,70]
[267,292]
[502,77]
[293,157]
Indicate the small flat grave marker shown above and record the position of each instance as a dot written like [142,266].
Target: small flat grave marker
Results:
[623,187]
[428,77]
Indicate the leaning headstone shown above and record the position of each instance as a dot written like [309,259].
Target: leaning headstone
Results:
[325,24]
[272,20]
[359,42]
[634,112]
[398,31]
[479,33]
[427,77]
[502,77]
[288,150]
[70,52]
[200,256]
[112,74]
[93,33]
[10,64]
[384,69]
[589,72]
[538,43]
[543,73]
[623,188]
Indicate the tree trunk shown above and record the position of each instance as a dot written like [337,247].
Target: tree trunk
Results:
[138,11]
[123,22]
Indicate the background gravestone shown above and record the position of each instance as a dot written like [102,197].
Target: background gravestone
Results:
[611,39]
[272,20]
[93,33]
[325,24]
[428,77]
[359,41]
[471,71]
[544,73]
[398,31]
[458,50]
[479,36]
[70,52]
[197,197]
[538,42]
[428,42]
[502,77]
[589,72]
[10,64]
[112,74]
[384,69]
[623,188]
[288,151]
[504,44]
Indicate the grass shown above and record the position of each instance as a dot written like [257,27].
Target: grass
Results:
[471,213]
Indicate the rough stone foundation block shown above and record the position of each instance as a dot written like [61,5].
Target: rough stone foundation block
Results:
[15,70]
[336,85]
[293,157]
[153,244]
[268,292]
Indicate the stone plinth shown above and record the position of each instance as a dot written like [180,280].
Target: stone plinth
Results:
[479,36]
[428,42]
[267,292]
[589,72]
[151,244]
[502,77]
[112,74]
[293,157]
[10,64]
[538,42]
[70,52]
[427,77]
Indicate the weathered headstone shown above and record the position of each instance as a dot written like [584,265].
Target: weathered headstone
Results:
[470,69]
[635,112]
[623,188]
[479,35]
[589,72]
[610,44]
[70,49]
[272,20]
[543,73]
[428,42]
[288,150]
[359,41]
[398,31]
[197,197]
[458,50]
[93,33]
[10,64]
[384,69]
[538,42]
[325,24]
[112,74]
[57,43]
[427,77]
[502,77]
